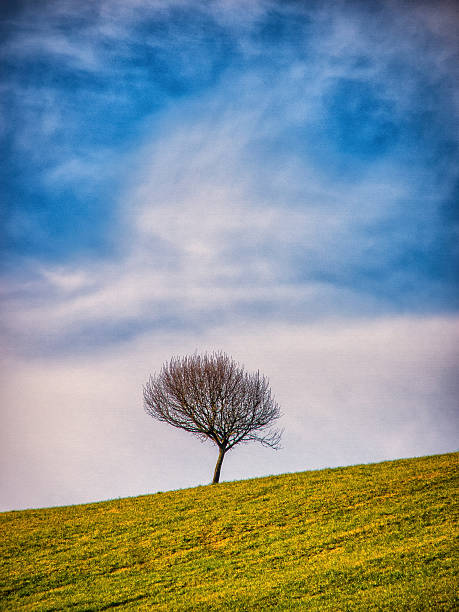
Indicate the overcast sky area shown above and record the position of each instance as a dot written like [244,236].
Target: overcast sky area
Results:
[274,179]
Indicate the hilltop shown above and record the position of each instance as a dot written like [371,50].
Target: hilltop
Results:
[357,538]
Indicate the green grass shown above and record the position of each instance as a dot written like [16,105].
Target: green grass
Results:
[368,537]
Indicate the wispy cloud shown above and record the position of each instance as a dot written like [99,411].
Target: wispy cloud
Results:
[201,238]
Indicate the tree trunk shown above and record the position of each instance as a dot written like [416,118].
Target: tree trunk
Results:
[218,467]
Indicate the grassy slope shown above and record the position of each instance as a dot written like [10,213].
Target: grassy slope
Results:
[358,538]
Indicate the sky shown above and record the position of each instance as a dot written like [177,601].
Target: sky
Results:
[274,179]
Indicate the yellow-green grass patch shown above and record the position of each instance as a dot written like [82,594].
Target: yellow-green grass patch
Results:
[380,537]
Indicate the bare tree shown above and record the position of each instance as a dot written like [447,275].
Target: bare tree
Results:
[214,398]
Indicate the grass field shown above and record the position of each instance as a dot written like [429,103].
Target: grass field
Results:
[368,537]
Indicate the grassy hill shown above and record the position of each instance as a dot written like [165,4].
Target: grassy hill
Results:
[358,538]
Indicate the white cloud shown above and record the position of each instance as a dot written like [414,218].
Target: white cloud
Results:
[199,237]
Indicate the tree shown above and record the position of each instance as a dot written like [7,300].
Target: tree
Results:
[214,398]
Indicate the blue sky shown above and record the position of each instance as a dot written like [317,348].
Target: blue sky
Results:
[278,180]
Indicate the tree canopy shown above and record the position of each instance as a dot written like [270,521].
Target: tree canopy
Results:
[213,397]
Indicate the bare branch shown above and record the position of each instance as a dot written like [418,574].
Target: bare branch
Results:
[213,397]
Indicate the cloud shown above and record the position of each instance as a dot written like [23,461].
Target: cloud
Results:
[200,238]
